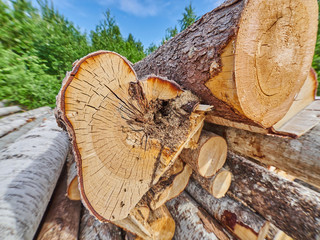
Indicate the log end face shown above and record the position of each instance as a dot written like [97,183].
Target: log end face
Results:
[221,184]
[274,50]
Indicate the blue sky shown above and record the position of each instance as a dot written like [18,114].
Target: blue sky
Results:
[147,20]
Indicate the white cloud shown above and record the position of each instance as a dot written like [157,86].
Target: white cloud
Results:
[142,8]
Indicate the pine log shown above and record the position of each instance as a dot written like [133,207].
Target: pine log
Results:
[238,219]
[9,110]
[209,156]
[29,170]
[73,192]
[91,228]
[15,121]
[218,185]
[132,138]
[62,218]
[161,223]
[298,157]
[170,185]
[192,222]
[305,96]
[291,207]
[248,59]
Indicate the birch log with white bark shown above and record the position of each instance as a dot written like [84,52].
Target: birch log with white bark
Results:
[62,218]
[91,228]
[9,110]
[15,121]
[238,219]
[291,207]
[192,222]
[29,170]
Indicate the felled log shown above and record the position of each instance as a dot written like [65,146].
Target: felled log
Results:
[170,185]
[209,156]
[62,218]
[9,110]
[91,228]
[161,223]
[289,206]
[238,219]
[29,170]
[15,121]
[305,97]
[192,222]
[248,59]
[218,185]
[136,130]
[73,192]
[298,157]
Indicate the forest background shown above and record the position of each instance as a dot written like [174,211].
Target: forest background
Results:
[38,46]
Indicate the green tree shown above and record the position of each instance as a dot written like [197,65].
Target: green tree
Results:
[188,17]
[316,57]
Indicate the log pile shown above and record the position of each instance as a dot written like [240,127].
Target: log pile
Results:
[179,145]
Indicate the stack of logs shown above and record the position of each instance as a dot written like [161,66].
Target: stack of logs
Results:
[212,153]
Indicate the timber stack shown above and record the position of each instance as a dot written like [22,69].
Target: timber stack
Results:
[215,135]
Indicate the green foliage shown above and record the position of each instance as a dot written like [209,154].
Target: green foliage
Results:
[316,57]
[188,17]
[107,36]
[38,47]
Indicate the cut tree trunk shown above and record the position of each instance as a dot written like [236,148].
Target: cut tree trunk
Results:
[192,222]
[29,170]
[217,185]
[15,121]
[161,223]
[9,110]
[62,218]
[170,185]
[132,138]
[248,59]
[238,219]
[209,156]
[291,207]
[73,192]
[298,157]
[91,228]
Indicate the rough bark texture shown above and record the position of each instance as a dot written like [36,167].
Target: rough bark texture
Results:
[291,207]
[298,157]
[240,220]
[191,221]
[29,170]
[15,121]
[194,56]
[91,228]
[62,218]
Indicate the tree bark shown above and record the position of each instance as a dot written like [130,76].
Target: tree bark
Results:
[209,155]
[192,222]
[62,218]
[91,228]
[230,60]
[13,122]
[9,110]
[29,170]
[298,157]
[291,207]
[233,215]
[218,185]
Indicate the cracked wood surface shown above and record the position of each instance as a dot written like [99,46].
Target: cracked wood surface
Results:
[125,133]
[246,58]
